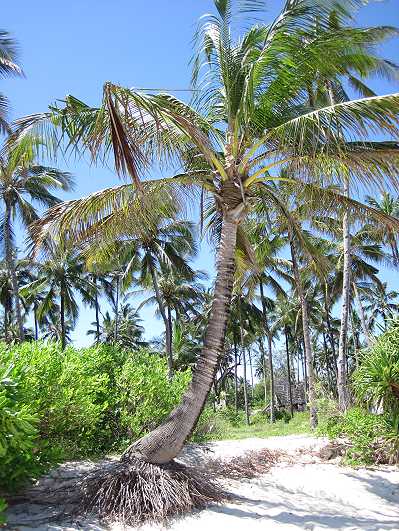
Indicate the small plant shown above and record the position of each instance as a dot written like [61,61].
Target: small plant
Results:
[3,507]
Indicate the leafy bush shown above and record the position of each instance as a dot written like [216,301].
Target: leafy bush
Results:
[376,381]
[371,437]
[86,401]
[3,507]
[18,438]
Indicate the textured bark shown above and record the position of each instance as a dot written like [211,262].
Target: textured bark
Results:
[162,311]
[270,357]
[11,267]
[287,351]
[342,383]
[362,316]
[306,337]
[62,315]
[165,442]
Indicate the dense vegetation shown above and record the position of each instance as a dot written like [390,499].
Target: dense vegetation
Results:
[280,153]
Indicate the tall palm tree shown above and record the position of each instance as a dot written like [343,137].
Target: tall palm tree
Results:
[251,117]
[388,205]
[24,186]
[60,277]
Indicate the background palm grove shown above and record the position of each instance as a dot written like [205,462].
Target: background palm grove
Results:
[282,161]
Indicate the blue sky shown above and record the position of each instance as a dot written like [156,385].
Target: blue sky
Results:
[74,47]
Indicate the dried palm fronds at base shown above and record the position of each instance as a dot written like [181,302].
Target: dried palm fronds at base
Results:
[134,492]
[248,466]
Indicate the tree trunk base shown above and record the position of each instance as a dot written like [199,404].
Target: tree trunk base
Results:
[135,491]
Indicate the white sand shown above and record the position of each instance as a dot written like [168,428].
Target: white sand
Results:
[301,493]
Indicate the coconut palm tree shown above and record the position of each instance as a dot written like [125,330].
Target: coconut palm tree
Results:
[389,205]
[24,186]
[59,278]
[251,117]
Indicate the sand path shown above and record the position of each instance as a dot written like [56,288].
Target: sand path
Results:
[299,493]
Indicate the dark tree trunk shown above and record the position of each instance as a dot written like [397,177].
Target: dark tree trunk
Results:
[162,311]
[235,377]
[287,351]
[10,262]
[36,322]
[165,442]
[251,372]
[306,335]
[116,330]
[62,315]
[270,349]
[97,309]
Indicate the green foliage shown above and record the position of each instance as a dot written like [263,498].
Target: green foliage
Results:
[376,381]
[146,397]
[371,437]
[3,507]
[18,437]
[227,424]
[75,403]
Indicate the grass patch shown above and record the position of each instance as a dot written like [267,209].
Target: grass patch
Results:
[230,425]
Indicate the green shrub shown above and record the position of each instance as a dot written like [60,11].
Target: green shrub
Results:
[92,400]
[376,381]
[19,460]
[146,396]
[371,437]
[3,507]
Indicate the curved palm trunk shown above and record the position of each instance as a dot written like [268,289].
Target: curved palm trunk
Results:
[165,442]
[342,383]
[10,262]
[162,311]
[62,315]
[306,337]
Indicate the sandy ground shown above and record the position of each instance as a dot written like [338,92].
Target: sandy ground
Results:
[301,492]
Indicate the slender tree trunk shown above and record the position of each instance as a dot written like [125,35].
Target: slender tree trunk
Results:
[235,377]
[7,313]
[244,367]
[10,262]
[264,368]
[97,309]
[162,311]
[342,383]
[270,349]
[251,372]
[62,315]
[272,397]
[306,336]
[165,442]
[362,316]
[116,330]
[36,322]
[287,351]
[170,335]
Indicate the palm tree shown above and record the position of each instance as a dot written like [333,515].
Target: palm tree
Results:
[60,277]
[24,184]
[130,331]
[251,117]
[8,66]
[388,205]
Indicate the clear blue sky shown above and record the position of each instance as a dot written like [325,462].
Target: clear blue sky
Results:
[74,47]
